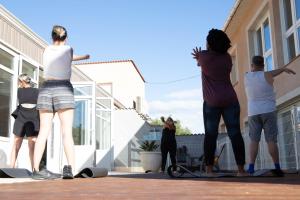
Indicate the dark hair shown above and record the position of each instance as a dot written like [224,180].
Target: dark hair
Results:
[218,41]
[59,33]
[258,61]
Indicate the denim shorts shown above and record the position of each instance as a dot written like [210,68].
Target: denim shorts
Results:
[56,95]
[266,122]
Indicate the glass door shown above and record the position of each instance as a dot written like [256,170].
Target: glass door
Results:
[83,131]
[287,140]
[83,124]
[8,99]
[8,90]
[297,131]
[103,133]
[30,68]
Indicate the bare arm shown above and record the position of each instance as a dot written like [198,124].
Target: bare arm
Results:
[77,57]
[271,74]
[276,72]
[84,57]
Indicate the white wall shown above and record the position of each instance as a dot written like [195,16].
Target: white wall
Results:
[127,83]
[129,129]
[5,149]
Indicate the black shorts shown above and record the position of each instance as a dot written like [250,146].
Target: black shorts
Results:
[28,130]
[27,122]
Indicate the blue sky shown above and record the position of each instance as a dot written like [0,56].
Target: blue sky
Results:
[157,34]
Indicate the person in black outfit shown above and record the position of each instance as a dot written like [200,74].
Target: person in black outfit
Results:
[27,118]
[168,143]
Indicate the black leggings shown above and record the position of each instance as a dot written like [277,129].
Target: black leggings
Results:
[171,147]
[231,116]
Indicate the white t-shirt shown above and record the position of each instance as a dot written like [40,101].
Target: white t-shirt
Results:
[57,61]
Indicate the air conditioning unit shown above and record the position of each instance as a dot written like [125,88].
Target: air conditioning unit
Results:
[139,104]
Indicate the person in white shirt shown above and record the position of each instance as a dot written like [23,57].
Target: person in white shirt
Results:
[56,95]
[262,110]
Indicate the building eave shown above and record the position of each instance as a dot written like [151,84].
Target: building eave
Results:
[114,61]
[17,23]
[231,15]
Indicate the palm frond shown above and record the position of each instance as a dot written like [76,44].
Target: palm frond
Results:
[149,146]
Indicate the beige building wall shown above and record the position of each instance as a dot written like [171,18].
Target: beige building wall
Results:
[239,28]
[16,34]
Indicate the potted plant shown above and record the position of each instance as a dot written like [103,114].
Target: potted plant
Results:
[150,158]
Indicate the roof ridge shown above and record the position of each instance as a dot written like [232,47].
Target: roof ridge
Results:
[114,61]
[104,62]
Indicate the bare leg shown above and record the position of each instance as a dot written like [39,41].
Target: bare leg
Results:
[15,150]
[45,128]
[66,121]
[31,144]
[253,151]
[273,150]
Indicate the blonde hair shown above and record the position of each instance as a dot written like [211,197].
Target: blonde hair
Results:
[25,78]
[59,33]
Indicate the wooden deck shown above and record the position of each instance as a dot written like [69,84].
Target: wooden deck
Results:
[154,186]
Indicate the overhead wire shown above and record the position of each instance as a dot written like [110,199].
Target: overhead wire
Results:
[173,81]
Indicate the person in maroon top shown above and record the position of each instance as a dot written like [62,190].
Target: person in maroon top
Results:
[220,98]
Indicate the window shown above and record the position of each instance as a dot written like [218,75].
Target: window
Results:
[81,122]
[291,28]
[234,71]
[6,84]
[6,59]
[263,44]
[41,77]
[286,135]
[30,70]
[103,123]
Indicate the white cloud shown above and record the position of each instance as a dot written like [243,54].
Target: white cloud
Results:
[184,105]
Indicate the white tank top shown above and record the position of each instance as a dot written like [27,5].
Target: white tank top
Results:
[57,62]
[260,94]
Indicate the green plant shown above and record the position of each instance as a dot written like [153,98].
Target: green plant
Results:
[149,146]
[180,128]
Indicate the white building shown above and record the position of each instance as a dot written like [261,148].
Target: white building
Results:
[108,124]
[122,79]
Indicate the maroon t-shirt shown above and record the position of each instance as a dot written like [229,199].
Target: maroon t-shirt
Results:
[217,88]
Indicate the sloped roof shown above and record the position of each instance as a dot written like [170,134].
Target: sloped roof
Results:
[114,61]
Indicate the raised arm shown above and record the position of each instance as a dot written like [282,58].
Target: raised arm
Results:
[77,57]
[276,72]
[162,119]
[197,55]
[271,74]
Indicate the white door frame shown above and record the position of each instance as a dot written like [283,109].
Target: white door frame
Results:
[91,147]
[109,150]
